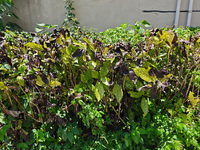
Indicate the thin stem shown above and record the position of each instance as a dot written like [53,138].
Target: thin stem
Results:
[28,100]
[119,116]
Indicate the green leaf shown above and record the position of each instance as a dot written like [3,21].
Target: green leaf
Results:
[95,74]
[192,100]
[70,137]
[41,24]
[184,116]
[106,81]
[144,106]
[99,91]
[34,46]
[127,139]
[117,91]
[19,126]
[145,23]
[7,66]
[20,80]
[2,118]
[167,36]
[83,78]
[2,86]
[165,78]
[64,135]
[106,50]
[39,81]
[144,74]
[91,46]
[22,146]
[55,84]
[37,29]
[59,41]
[135,135]
[59,131]
[75,131]
[129,85]
[136,94]
[92,64]
[81,45]
[22,68]
[142,131]
[170,111]
[2,133]
[104,71]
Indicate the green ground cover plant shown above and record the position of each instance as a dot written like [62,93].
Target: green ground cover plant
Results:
[122,89]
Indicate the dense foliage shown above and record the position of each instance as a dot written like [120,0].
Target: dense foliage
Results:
[124,89]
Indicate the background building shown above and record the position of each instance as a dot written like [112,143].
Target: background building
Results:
[103,14]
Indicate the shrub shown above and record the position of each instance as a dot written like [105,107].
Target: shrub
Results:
[60,92]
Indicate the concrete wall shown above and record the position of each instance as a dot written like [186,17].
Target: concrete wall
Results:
[32,12]
[103,14]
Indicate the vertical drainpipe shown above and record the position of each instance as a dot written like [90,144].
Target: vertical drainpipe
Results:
[178,6]
[189,13]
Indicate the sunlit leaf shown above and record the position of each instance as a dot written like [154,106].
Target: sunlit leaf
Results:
[2,86]
[39,81]
[59,40]
[55,84]
[165,78]
[2,118]
[107,81]
[83,78]
[144,106]
[167,36]
[99,91]
[41,24]
[106,50]
[20,80]
[184,116]
[144,74]
[91,46]
[192,99]
[117,91]
[145,23]
[7,66]
[170,111]
[95,74]
[91,64]
[34,46]
[81,45]
[37,29]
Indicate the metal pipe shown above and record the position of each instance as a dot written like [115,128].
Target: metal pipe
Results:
[189,13]
[178,6]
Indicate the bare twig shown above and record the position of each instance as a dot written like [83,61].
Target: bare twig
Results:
[119,116]
[191,80]
[179,77]
[184,81]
